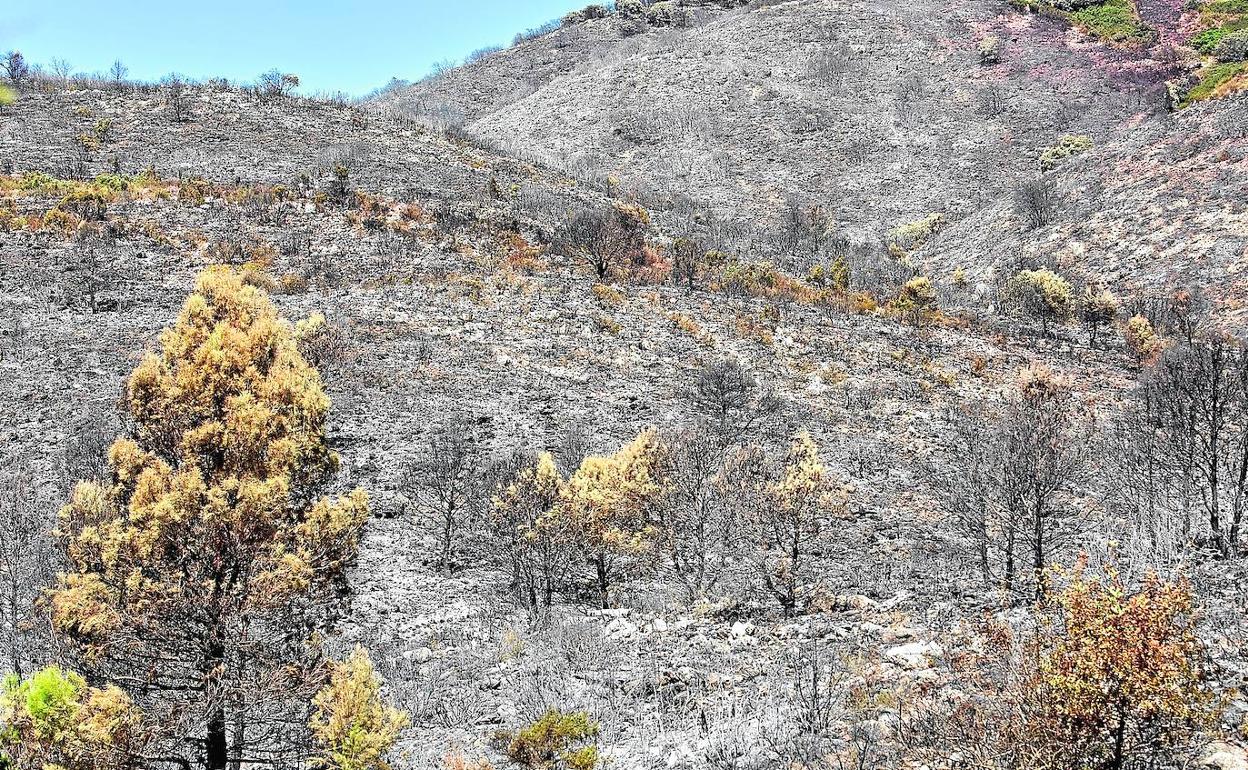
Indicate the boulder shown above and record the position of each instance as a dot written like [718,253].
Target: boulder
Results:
[1224,756]
[915,655]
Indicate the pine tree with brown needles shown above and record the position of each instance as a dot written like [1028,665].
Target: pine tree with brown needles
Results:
[200,567]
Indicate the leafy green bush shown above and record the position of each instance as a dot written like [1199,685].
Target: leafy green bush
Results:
[53,720]
[761,279]
[916,298]
[1140,338]
[1041,294]
[51,700]
[1207,39]
[1232,47]
[913,235]
[37,181]
[1116,21]
[554,741]
[1066,147]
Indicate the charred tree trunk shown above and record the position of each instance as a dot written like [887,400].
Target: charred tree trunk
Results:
[216,747]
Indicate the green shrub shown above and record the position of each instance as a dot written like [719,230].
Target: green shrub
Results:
[1212,80]
[1207,40]
[86,202]
[913,235]
[54,721]
[989,51]
[37,180]
[916,299]
[113,182]
[51,697]
[555,741]
[761,279]
[1140,338]
[1232,47]
[1116,21]
[1066,147]
[1042,294]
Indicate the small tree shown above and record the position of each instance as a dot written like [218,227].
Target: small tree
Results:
[117,72]
[443,482]
[1141,341]
[1036,201]
[353,726]
[608,240]
[605,506]
[1043,295]
[62,69]
[701,520]
[731,402]
[1097,309]
[15,67]
[276,85]
[687,258]
[1043,438]
[1118,681]
[791,516]
[1007,470]
[529,532]
[192,565]
[1196,396]
[176,98]
[916,300]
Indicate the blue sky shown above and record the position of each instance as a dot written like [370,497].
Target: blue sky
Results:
[332,46]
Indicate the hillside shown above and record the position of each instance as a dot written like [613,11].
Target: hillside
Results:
[1166,205]
[882,113]
[891,398]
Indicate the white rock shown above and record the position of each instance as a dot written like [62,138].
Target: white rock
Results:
[1224,756]
[915,655]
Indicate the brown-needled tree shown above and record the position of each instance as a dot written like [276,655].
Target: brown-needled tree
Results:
[199,568]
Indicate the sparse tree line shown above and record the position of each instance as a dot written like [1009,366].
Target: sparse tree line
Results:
[59,74]
[1021,478]
[619,242]
[705,506]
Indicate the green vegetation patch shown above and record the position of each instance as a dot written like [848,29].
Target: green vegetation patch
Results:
[1066,147]
[1114,21]
[1218,80]
[1117,21]
[1220,18]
